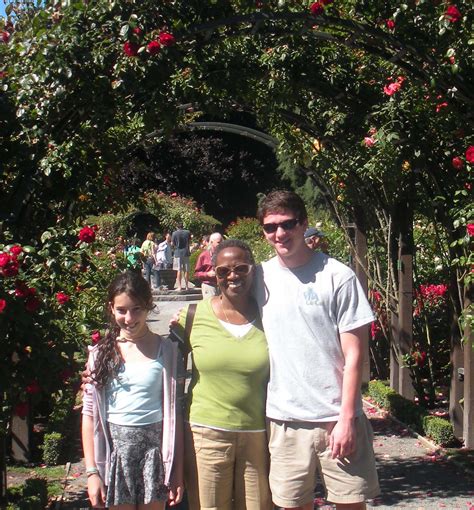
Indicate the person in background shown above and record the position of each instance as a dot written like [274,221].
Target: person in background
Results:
[180,241]
[147,250]
[204,270]
[316,239]
[133,255]
[204,242]
[163,258]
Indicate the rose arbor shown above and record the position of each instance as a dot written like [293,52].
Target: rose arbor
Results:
[369,100]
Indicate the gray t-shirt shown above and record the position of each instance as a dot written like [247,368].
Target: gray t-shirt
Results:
[303,311]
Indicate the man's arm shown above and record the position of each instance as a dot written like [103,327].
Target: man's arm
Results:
[201,271]
[342,440]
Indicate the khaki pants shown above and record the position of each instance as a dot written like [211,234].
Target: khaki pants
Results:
[226,470]
[208,290]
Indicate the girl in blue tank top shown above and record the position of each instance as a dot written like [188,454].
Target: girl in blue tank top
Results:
[132,427]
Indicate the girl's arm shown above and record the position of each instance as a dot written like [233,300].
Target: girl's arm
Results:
[176,490]
[95,485]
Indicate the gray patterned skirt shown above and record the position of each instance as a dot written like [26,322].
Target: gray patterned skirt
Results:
[136,472]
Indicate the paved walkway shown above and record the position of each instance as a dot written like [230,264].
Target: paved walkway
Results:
[413,475]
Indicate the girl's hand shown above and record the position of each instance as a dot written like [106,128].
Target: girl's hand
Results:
[96,491]
[175,494]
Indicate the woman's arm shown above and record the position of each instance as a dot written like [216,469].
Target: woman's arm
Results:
[95,485]
[176,490]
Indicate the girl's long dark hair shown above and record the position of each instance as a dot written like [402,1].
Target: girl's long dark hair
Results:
[109,358]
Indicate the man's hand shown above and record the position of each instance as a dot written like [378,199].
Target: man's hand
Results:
[342,439]
[96,491]
[211,273]
[175,494]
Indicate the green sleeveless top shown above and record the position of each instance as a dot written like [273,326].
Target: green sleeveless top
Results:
[229,380]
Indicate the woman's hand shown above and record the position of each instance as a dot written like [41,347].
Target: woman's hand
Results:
[96,491]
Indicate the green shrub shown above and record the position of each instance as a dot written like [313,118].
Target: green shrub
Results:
[439,430]
[192,264]
[52,448]
[250,231]
[32,495]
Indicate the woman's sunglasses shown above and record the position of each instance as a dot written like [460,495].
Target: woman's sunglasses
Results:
[240,270]
[270,228]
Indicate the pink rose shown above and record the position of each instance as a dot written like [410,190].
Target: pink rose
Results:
[470,229]
[153,47]
[470,154]
[130,49]
[440,106]
[316,8]
[62,298]
[166,39]
[3,305]
[87,235]
[137,31]
[452,14]
[96,336]
[390,24]
[391,88]
[5,36]
[457,162]
[369,141]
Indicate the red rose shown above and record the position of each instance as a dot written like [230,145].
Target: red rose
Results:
[470,229]
[3,305]
[87,235]
[21,289]
[452,14]
[11,269]
[137,31]
[33,388]
[96,336]
[32,304]
[457,163]
[66,374]
[21,409]
[5,258]
[62,298]
[440,106]
[5,36]
[390,24]
[166,39]
[391,88]
[16,250]
[316,8]
[130,49]
[153,47]
[470,154]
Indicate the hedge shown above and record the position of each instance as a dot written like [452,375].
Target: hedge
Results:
[437,429]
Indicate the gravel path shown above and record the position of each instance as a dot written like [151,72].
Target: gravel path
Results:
[413,475]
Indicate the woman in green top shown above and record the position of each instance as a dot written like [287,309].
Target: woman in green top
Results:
[226,453]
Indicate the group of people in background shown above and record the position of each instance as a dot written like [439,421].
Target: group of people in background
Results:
[274,395]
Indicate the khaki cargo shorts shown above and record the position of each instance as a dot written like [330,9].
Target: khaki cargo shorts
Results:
[299,450]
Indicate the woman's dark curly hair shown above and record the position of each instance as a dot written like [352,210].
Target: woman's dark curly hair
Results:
[233,243]
[109,358]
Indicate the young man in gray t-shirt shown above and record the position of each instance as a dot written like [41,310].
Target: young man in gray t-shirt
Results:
[313,309]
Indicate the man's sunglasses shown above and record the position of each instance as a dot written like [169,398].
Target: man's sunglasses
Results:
[271,228]
[240,270]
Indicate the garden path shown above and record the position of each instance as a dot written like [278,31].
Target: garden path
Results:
[413,475]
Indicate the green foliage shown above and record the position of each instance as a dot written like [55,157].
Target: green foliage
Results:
[173,209]
[437,429]
[192,264]
[52,448]
[32,495]
[250,231]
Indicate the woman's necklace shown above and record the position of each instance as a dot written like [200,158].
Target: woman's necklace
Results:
[223,309]
[131,340]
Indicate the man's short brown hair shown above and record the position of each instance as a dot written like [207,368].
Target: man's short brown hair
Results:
[280,201]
